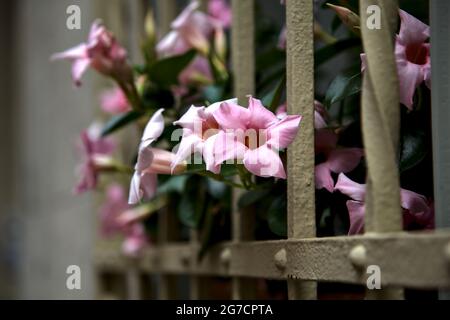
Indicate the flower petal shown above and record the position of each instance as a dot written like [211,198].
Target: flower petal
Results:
[264,162]
[191,119]
[412,30]
[345,159]
[231,116]
[79,66]
[227,147]
[134,193]
[350,188]
[282,133]
[189,144]
[148,185]
[356,211]
[144,160]
[153,129]
[260,116]
[323,177]
[208,154]
[410,76]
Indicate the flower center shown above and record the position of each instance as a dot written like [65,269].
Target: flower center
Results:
[417,53]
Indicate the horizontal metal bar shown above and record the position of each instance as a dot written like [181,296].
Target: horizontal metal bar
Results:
[414,260]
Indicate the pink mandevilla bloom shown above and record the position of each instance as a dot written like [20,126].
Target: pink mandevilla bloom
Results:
[151,162]
[101,52]
[116,204]
[254,135]
[417,212]
[95,152]
[200,130]
[412,54]
[191,29]
[135,239]
[114,101]
[337,160]
[221,11]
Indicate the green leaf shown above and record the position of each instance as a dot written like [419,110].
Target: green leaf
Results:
[251,197]
[273,98]
[277,216]
[216,188]
[173,184]
[165,72]
[342,87]
[325,53]
[120,121]
[413,149]
[213,93]
[192,203]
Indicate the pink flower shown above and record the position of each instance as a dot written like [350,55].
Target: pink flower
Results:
[114,206]
[197,72]
[417,212]
[337,160]
[412,54]
[96,153]
[191,29]
[114,101]
[101,52]
[221,11]
[135,240]
[254,135]
[320,114]
[151,162]
[200,130]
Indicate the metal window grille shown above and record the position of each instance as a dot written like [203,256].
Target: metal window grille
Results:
[407,260]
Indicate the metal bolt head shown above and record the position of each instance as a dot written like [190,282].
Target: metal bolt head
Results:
[447,252]
[358,256]
[280,259]
[225,256]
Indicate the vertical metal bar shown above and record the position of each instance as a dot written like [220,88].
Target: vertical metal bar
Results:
[300,100]
[167,284]
[167,11]
[133,281]
[243,59]
[381,127]
[440,51]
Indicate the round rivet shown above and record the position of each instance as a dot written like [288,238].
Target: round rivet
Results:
[280,259]
[225,256]
[447,252]
[358,256]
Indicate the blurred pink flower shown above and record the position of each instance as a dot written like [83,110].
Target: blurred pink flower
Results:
[221,11]
[96,152]
[254,135]
[412,54]
[114,101]
[200,130]
[114,206]
[191,29]
[101,52]
[135,240]
[320,114]
[336,159]
[417,211]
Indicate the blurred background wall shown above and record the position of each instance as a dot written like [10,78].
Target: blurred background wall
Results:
[43,227]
